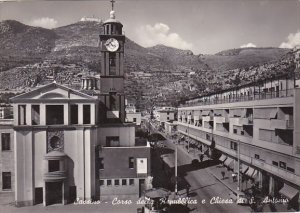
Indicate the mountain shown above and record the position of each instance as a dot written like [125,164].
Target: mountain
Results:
[30,56]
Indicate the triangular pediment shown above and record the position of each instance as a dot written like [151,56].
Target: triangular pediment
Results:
[52,91]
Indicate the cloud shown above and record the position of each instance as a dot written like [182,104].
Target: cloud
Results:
[292,40]
[44,22]
[160,34]
[248,45]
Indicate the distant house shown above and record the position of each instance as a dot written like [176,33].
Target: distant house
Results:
[132,114]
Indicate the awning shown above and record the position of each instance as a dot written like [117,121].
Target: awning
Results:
[244,168]
[250,172]
[223,158]
[255,173]
[228,162]
[288,191]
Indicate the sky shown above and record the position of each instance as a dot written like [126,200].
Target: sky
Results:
[203,26]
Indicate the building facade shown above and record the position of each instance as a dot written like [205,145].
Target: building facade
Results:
[7,171]
[258,124]
[72,144]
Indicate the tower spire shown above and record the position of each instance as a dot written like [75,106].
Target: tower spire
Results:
[112,4]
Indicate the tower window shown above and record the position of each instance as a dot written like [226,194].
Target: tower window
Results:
[112,101]
[112,63]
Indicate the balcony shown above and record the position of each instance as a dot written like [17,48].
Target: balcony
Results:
[55,176]
[245,121]
[207,118]
[282,124]
[220,119]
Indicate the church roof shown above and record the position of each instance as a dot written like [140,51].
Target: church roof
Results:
[52,91]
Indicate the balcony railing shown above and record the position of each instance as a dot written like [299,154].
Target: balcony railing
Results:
[211,100]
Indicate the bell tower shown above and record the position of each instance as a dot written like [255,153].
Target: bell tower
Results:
[112,69]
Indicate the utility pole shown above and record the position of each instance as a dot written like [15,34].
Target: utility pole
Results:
[176,169]
[238,187]
[188,149]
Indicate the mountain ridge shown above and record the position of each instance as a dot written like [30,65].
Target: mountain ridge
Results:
[31,54]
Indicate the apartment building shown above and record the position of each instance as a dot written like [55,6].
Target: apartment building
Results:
[258,124]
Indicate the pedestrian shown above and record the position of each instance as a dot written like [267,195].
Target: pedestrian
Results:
[201,157]
[223,175]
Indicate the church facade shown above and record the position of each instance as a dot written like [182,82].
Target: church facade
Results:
[72,144]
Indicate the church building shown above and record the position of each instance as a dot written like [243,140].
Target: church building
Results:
[72,144]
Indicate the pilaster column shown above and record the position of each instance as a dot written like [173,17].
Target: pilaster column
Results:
[66,114]
[93,114]
[28,114]
[43,114]
[80,113]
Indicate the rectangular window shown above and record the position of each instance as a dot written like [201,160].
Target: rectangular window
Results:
[108,182]
[134,120]
[117,182]
[101,182]
[256,156]
[233,145]
[282,164]
[124,182]
[101,163]
[54,114]
[131,182]
[131,162]
[53,165]
[74,114]
[290,169]
[112,141]
[275,163]
[35,114]
[6,180]
[86,114]
[235,131]
[5,141]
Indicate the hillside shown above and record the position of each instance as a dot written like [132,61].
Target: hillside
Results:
[157,75]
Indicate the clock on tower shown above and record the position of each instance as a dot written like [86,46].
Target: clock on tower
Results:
[112,69]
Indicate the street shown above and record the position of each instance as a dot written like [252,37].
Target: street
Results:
[203,186]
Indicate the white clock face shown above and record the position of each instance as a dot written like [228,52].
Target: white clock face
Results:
[112,45]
